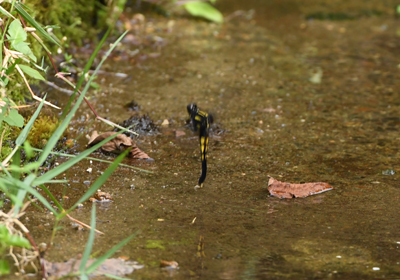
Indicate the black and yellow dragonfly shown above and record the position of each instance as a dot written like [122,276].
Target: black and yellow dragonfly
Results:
[201,121]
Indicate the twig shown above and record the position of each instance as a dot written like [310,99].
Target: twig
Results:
[61,76]
[30,90]
[82,224]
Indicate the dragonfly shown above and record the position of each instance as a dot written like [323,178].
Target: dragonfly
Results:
[201,122]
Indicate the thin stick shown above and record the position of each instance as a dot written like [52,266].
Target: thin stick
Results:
[82,224]
[30,90]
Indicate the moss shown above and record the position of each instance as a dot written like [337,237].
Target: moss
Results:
[76,19]
[41,131]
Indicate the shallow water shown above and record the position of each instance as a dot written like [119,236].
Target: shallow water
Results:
[253,74]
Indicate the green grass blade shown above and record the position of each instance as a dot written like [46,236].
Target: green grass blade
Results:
[21,192]
[101,180]
[85,71]
[89,244]
[49,175]
[46,190]
[89,158]
[57,134]
[29,19]
[24,186]
[24,133]
[109,253]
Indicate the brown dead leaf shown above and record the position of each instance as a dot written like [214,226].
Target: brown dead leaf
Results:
[103,196]
[179,133]
[119,144]
[116,267]
[169,264]
[288,190]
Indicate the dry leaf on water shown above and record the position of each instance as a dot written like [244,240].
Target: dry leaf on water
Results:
[169,264]
[103,196]
[119,144]
[288,190]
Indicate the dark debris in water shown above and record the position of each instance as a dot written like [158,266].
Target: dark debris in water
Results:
[143,125]
[133,106]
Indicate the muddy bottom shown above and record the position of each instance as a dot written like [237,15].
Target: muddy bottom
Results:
[296,96]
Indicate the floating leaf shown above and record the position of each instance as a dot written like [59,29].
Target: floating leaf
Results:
[205,10]
[14,118]
[288,190]
[31,72]
[103,196]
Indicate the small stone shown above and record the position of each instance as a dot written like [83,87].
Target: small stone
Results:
[165,122]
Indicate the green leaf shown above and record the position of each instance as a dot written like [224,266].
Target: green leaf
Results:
[24,48]
[19,241]
[4,267]
[205,10]
[89,244]
[31,72]
[28,18]
[16,33]
[14,118]
[28,150]
[4,233]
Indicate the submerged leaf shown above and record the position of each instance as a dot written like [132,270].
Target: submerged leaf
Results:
[205,10]
[288,190]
